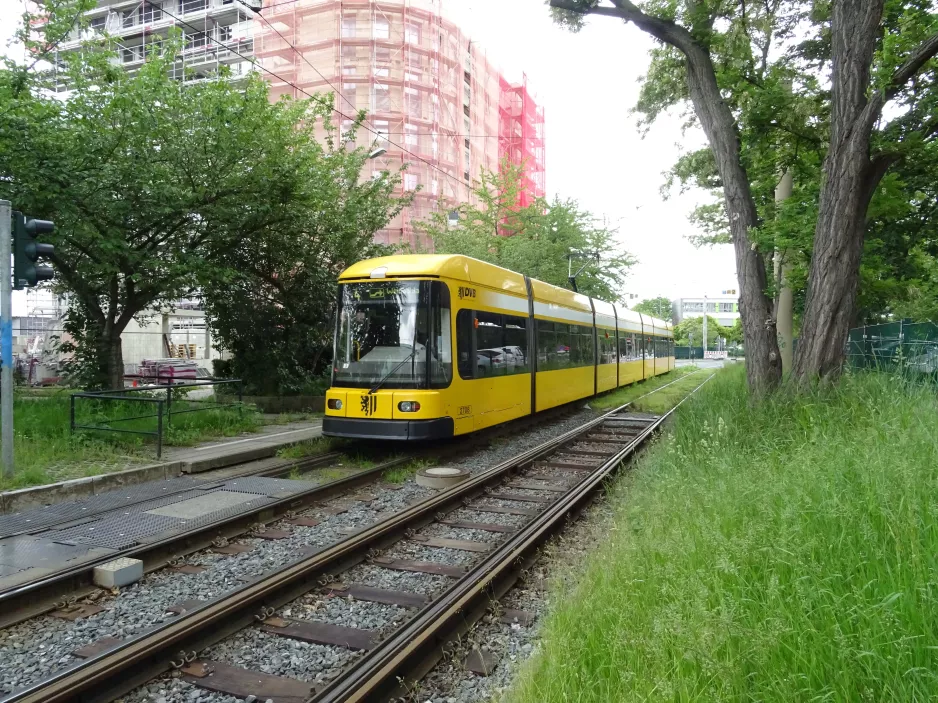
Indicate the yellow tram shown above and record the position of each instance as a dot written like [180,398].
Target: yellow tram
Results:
[431,346]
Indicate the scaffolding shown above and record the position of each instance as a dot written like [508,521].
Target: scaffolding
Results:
[432,98]
[521,142]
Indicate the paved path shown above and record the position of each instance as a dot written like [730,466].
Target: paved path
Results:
[215,453]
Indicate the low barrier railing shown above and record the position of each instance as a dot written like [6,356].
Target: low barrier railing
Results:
[158,395]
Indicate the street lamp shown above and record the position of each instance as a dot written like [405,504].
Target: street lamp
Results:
[380,151]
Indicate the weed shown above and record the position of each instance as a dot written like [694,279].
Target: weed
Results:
[310,447]
[772,550]
[626,394]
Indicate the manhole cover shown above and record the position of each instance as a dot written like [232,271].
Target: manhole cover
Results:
[441,477]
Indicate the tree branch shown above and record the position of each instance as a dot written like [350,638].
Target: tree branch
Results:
[918,58]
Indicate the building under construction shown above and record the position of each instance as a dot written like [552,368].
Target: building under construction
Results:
[432,99]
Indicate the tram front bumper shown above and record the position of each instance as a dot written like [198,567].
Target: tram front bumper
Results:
[366,428]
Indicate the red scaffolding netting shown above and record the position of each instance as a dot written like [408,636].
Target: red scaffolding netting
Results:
[431,97]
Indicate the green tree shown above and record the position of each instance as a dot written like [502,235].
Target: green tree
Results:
[659,307]
[156,184]
[694,326]
[765,67]
[534,240]
[274,305]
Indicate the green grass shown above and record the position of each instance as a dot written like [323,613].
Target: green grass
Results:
[46,451]
[309,447]
[777,551]
[399,474]
[626,394]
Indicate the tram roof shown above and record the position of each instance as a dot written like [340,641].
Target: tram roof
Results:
[465,268]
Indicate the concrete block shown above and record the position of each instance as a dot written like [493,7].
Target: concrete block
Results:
[130,477]
[39,496]
[119,572]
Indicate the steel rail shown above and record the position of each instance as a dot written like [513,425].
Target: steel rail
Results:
[36,597]
[105,677]
[42,595]
[409,653]
[282,467]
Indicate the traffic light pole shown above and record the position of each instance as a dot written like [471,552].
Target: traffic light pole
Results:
[6,339]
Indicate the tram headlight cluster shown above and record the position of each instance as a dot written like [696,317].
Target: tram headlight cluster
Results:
[335,404]
[408,406]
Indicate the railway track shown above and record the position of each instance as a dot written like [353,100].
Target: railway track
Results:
[64,588]
[538,490]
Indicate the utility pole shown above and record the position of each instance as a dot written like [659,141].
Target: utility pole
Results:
[704,342]
[6,338]
[784,316]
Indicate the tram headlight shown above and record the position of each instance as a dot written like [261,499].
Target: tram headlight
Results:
[334,404]
[408,406]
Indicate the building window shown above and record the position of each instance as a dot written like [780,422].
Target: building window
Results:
[349,27]
[196,41]
[349,93]
[193,5]
[726,307]
[129,18]
[382,128]
[382,97]
[434,187]
[224,33]
[382,54]
[150,12]
[382,72]
[412,33]
[410,135]
[382,28]
[97,23]
[410,181]
[131,54]
[414,105]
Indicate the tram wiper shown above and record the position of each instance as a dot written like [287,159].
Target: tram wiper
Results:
[391,372]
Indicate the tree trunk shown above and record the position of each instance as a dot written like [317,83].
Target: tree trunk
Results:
[763,363]
[110,361]
[850,178]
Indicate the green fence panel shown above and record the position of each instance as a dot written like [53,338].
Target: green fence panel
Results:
[903,346]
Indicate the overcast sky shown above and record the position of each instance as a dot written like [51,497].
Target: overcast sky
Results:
[588,83]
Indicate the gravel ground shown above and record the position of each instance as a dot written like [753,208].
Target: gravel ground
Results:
[505,448]
[512,644]
[39,647]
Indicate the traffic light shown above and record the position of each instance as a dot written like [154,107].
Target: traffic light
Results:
[26,251]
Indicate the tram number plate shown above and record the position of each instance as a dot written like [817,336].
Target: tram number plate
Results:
[465,410]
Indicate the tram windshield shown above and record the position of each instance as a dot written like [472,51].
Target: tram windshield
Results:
[393,333]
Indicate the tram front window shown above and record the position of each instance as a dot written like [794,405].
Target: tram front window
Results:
[393,333]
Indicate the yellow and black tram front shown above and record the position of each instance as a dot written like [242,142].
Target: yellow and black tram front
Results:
[392,358]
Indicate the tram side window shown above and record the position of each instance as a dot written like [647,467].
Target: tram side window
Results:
[553,349]
[501,344]
[464,344]
[440,358]
[607,346]
[649,349]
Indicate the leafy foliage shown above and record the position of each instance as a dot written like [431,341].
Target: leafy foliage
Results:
[694,326]
[274,303]
[534,240]
[659,307]
[158,187]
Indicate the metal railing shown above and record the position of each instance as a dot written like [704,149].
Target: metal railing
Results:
[153,395]
[904,346]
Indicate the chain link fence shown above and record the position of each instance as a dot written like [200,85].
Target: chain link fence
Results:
[908,347]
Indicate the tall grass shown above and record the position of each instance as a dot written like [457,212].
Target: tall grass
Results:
[46,450]
[780,551]
[625,394]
